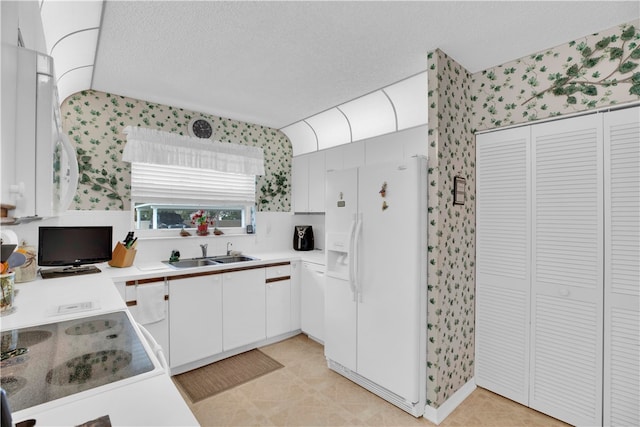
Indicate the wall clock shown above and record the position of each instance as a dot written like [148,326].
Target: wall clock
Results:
[200,128]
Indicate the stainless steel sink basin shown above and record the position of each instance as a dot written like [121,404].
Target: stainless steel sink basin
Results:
[230,259]
[202,262]
[190,263]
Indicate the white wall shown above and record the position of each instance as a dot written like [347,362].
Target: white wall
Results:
[316,221]
[274,232]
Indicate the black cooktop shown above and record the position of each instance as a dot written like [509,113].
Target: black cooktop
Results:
[47,362]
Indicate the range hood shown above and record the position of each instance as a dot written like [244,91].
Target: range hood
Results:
[400,106]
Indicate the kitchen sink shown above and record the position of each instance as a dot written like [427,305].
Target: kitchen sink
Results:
[230,259]
[190,263]
[214,260]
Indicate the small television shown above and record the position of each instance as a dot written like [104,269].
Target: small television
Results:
[72,249]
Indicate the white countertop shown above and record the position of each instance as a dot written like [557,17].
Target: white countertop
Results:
[152,402]
[147,270]
[127,402]
[37,302]
[133,402]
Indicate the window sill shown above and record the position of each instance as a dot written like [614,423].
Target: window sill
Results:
[175,234]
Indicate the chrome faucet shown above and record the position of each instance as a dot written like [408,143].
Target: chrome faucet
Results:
[204,250]
[229,250]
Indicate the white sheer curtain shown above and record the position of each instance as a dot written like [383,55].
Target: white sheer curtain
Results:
[165,148]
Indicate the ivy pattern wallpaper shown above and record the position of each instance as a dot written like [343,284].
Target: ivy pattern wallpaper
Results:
[595,71]
[94,122]
[451,242]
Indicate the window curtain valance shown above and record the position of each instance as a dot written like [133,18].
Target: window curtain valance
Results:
[164,148]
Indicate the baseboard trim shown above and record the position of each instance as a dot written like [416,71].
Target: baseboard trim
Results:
[438,415]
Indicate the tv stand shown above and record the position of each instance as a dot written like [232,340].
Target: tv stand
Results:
[69,271]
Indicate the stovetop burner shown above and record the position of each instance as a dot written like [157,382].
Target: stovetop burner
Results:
[91,327]
[88,367]
[12,384]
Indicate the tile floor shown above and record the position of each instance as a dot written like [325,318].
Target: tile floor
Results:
[306,393]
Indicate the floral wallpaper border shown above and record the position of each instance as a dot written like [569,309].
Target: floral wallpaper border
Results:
[597,70]
[94,122]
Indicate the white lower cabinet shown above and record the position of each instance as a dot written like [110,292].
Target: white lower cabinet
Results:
[216,314]
[307,182]
[243,308]
[312,300]
[278,307]
[195,321]
[296,268]
[278,299]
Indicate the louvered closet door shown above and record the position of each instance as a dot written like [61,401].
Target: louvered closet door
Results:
[503,263]
[567,273]
[622,272]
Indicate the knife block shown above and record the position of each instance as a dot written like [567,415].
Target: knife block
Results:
[122,257]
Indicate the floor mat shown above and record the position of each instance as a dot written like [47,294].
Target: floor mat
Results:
[217,377]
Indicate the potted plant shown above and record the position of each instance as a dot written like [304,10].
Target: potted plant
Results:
[202,221]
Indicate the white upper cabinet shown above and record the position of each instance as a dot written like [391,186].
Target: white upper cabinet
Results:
[316,182]
[397,146]
[345,156]
[308,174]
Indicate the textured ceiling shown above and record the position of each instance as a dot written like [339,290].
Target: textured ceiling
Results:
[274,63]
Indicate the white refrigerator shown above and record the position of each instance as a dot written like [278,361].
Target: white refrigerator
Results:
[376,279]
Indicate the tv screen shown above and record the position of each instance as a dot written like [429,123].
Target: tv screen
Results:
[74,246]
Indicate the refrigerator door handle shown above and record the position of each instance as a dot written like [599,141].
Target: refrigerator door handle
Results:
[351,257]
[356,256]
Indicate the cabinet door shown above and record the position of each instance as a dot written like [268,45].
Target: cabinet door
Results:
[312,300]
[352,155]
[567,270]
[345,156]
[622,275]
[296,278]
[195,318]
[503,263]
[334,158]
[300,183]
[243,308]
[316,181]
[278,307]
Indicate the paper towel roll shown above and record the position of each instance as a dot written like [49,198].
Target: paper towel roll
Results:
[9,237]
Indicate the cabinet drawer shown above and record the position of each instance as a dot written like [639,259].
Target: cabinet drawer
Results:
[278,271]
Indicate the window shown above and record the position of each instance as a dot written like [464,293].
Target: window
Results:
[164,197]
[173,176]
[152,216]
